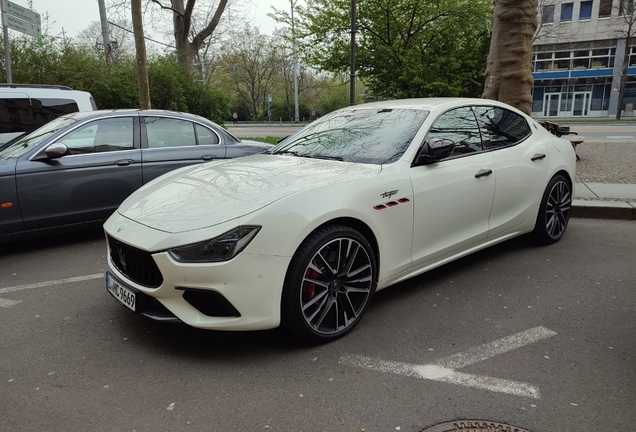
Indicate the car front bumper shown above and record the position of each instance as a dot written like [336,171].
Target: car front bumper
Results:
[240,294]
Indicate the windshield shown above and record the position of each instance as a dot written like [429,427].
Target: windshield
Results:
[364,135]
[23,144]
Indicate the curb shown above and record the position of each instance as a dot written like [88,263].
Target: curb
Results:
[598,209]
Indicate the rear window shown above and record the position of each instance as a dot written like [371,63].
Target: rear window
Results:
[26,115]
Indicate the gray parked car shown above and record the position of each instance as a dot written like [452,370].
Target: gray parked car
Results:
[74,171]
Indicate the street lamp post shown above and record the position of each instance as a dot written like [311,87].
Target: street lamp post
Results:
[296,110]
[352,81]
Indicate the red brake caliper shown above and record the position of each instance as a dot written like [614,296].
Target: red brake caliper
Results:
[309,289]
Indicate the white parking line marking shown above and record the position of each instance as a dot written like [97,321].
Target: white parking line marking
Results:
[491,349]
[444,369]
[50,283]
[5,303]
[620,137]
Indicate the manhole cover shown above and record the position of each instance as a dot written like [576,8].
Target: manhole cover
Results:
[474,426]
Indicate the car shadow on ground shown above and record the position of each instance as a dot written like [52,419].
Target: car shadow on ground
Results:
[52,242]
[182,341]
[402,291]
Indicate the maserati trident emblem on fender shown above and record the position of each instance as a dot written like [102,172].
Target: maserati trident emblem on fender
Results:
[389,194]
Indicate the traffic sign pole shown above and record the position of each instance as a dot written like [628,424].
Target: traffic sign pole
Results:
[7,54]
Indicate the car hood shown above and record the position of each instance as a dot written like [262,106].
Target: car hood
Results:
[201,196]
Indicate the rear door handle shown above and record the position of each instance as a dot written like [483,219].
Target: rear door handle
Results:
[537,157]
[483,173]
[208,157]
[124,162]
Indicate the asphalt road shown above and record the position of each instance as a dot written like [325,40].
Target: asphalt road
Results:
[73,359]
[605,132]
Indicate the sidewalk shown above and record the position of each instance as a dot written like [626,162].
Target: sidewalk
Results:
[605,181]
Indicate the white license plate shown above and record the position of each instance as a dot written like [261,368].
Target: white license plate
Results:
[124,295]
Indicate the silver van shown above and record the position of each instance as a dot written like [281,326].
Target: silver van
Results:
[26,107]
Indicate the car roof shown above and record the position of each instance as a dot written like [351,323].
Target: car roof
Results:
[430,104]
[134,111]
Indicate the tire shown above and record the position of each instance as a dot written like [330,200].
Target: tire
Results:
[554,212]
[329,284]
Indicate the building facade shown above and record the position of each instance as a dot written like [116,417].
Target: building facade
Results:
[579,54]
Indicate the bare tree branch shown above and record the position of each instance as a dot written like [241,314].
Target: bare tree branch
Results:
[167,7]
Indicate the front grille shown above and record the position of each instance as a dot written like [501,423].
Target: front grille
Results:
[135,264]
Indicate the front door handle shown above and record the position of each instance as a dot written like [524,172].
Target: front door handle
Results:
[124,162]
[537,157]
[208,157]
[483,173]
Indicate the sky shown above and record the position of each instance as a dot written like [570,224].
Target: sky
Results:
[75,15]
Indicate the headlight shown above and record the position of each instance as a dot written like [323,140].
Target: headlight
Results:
[222,248]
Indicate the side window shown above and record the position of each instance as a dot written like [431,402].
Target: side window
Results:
[206,136]
[500,127]
[113,134]
[460,126]
[22,115]
[16,115]
[169,132]
[47,109]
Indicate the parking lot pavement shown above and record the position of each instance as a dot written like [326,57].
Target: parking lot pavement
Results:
[536,337]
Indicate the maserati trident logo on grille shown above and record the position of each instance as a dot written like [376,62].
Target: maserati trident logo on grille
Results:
[121,228]
[122,258]
[389,194]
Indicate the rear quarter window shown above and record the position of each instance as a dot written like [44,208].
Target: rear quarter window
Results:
[500,127]
[26,115]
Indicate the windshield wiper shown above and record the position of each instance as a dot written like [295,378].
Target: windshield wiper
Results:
[338,158]
[308,156]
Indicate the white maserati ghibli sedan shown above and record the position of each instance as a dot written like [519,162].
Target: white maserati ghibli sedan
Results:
[303,235]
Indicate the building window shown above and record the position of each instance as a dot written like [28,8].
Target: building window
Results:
[566,11]
[626,7]
[547,15]
[586,11]
[605,8]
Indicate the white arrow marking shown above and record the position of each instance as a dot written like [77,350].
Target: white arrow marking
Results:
[5,303]
[444,369]
[50,283]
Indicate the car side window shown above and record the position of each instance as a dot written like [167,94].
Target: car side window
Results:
[111,134]
[205,136]
[460,126]
[500,127]
[169,132]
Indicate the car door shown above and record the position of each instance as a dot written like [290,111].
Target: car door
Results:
[102,167]
[170,143]
[520,163]
[453,197]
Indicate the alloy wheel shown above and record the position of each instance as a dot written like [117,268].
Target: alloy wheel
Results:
[557,212]
[336,286]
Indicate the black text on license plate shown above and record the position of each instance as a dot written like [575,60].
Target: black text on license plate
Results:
[123,294]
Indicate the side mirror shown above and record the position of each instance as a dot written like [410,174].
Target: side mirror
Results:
[434,150]
[56,151]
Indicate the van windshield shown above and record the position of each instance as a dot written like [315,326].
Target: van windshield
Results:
[21,145]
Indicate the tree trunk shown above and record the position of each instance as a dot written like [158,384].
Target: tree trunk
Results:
[182,23]
[508,73]
[140,48]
